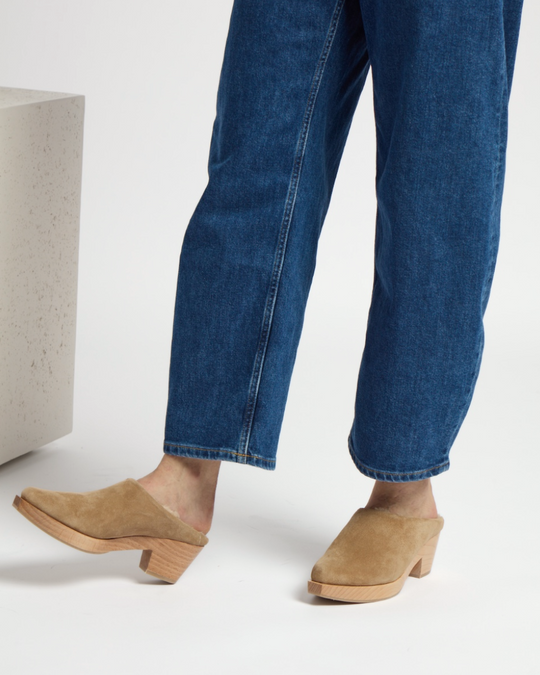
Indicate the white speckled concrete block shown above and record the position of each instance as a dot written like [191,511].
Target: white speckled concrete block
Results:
[41,136]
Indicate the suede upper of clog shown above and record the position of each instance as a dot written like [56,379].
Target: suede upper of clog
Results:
[122,510]
[375,547]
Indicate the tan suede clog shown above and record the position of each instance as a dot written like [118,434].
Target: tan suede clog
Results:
[120,517]
[374,554]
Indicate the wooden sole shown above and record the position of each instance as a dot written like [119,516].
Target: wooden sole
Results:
[419,567]
[165,559]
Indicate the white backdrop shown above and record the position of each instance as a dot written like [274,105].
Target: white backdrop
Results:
[149,72]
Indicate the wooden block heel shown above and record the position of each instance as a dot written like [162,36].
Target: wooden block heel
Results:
[168,560]
[165,559]
[423,566]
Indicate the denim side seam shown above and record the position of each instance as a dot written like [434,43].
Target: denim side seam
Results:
[283,237]
[392,476]
[219,454]
[493,246]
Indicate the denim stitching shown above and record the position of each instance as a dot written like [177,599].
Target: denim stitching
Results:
[226,450]
[284,233]
[376,472]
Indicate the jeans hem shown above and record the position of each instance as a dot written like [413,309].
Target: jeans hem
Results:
[222,454]
[396,476]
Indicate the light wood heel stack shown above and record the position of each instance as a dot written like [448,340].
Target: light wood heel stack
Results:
[423,566]
[168,560]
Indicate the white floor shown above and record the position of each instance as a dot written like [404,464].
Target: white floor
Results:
[243,605]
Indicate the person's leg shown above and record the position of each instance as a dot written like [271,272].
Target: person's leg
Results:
[291,77]
[187,487]
[442,73]
[292,74]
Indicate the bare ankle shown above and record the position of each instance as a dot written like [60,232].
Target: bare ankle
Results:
[186,486]
[412,499]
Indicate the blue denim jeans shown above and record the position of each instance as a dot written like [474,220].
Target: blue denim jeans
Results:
[292,74]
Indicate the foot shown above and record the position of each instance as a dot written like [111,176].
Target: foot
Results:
[373,555]
[413,499]
[185,486]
